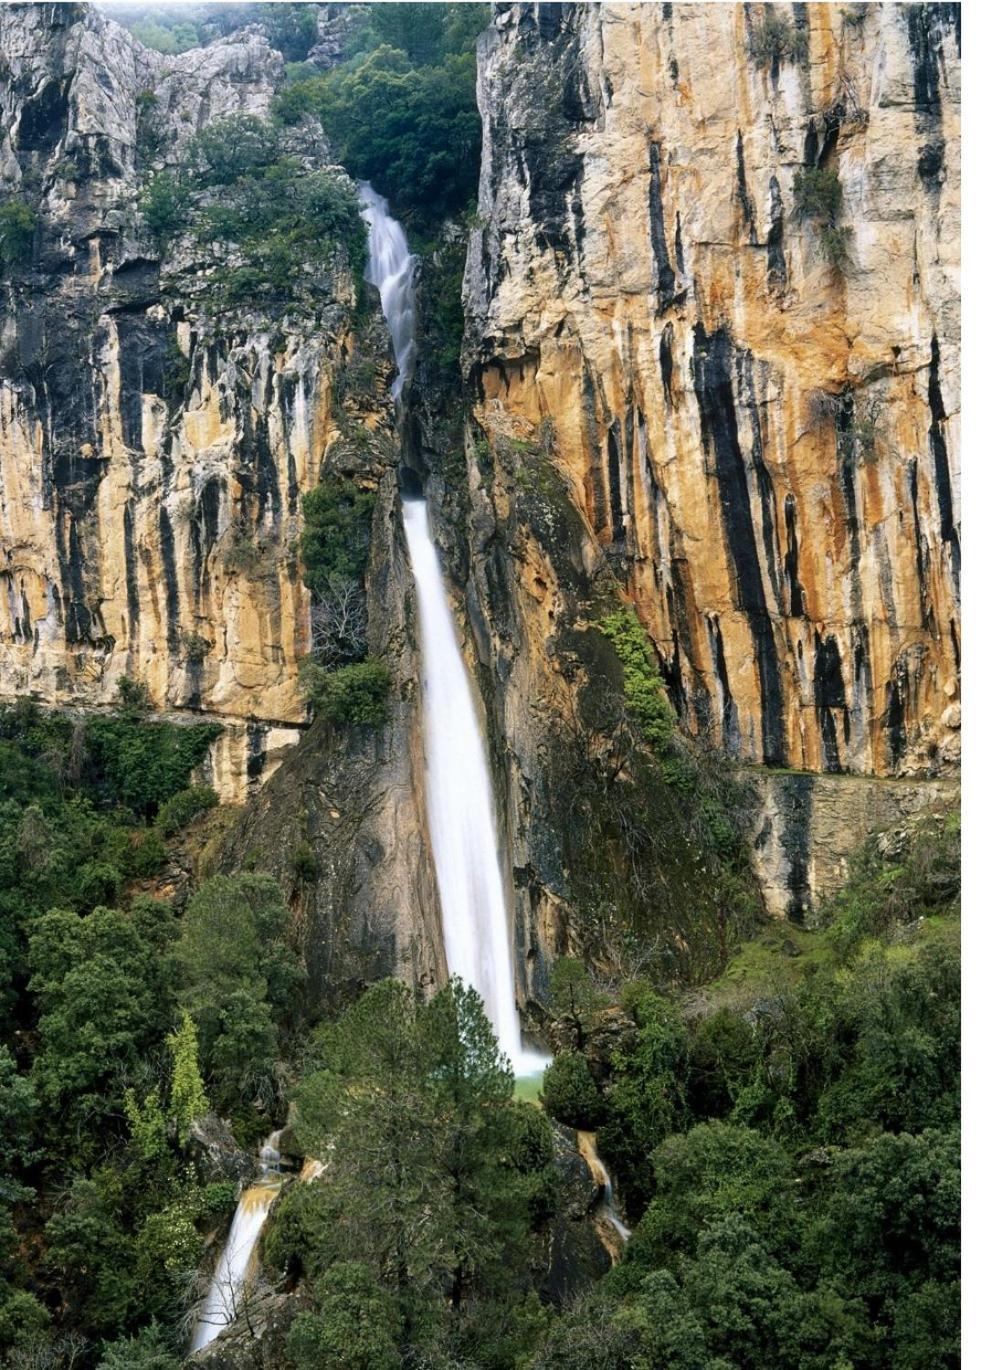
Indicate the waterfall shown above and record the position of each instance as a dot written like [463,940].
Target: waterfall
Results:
[601,1176]
[391,267]
[459,804]
[230,1281]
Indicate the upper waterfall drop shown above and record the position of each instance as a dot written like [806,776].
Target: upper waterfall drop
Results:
[459,803]
[391,267]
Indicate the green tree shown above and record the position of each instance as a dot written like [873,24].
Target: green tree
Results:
[706,1175]
[573,995]
[188,1101]
[891,1217]
[240,982]
[18,1112]
[413,132]
[336,532]
[149,1349]
[569,1092]
[353,1326]
[646,1100]
[104,986]
[92,1257]
[147,1125]
[433,1170]
[17,224]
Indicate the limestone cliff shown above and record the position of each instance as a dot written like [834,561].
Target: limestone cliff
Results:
[153,452]
[754,408]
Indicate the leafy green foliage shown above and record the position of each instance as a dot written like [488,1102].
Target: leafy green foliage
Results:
[351,696]
[434,1174]
[103,985]
[17,224]
[277,220]
[188,1101]
[775,38]
[569,1093]
[642,686]
[240,983]
[336,532]
[818,196]
[150,1349]
[402,112]
[882,892]
[177,811]
[353,1327]
[142,764]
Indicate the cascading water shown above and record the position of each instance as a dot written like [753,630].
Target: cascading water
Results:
[459,807]
[600,1174]
[391,267]
[229,1284]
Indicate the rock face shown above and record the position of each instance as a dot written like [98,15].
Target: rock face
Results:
[762,441]
[808,825]
[152,455]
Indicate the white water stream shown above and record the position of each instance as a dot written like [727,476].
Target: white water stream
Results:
[235,1268]
[459,806]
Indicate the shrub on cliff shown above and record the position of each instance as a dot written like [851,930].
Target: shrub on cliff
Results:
[401,111]
[643,688]
[336,532]
[354,695]
[818,196]
[17,224]
[775,38]
[273,218]
[177,811]
[165,205]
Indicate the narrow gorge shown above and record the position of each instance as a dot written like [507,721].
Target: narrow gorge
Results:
[479,684]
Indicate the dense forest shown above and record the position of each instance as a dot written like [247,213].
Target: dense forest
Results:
[776,1102]
[784,1139]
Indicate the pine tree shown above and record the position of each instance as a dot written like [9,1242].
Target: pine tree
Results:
[188,1100]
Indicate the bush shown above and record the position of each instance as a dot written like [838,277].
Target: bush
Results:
[818,196]
[142,764]
[569,1093]
[165,205]
[195,647]
[305,866]
[352,695]
[414,133]
[17,224]
[233,149]
[884,892]
[180,808]
[817,193]
[643,688]
[336,532]
[776,38]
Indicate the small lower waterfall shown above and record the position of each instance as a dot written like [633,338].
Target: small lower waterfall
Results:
[601,1176]
[460,812]
[235,1268]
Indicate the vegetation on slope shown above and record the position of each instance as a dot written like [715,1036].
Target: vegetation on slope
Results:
[401,111]
[271,223]
[788,1154]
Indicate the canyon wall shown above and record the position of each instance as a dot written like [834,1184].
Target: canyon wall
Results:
[755,409]
[153,451]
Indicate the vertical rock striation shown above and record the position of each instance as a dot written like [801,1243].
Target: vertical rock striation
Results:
[153,452]
[755,407]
